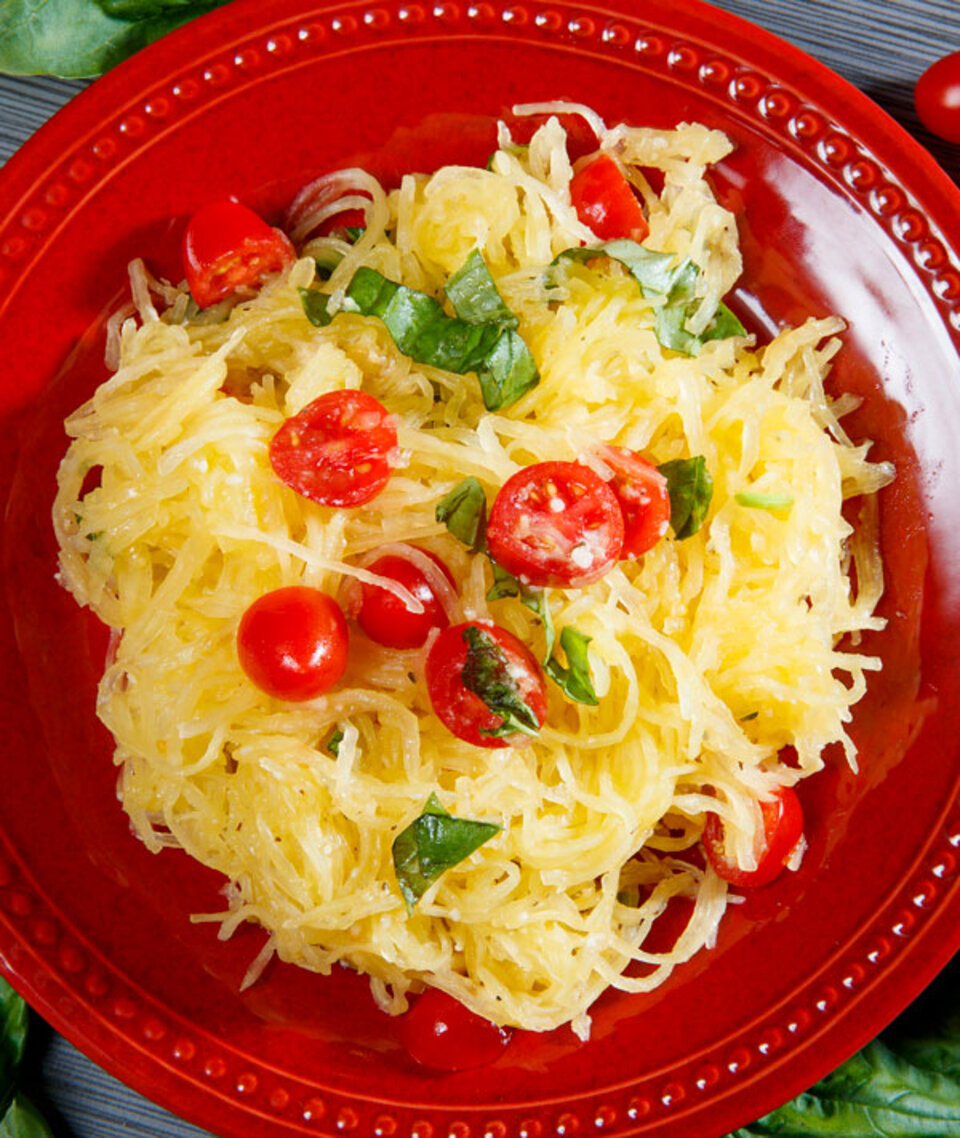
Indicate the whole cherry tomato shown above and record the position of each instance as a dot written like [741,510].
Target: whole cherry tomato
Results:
[937,97]
[555,523]
[605,201]
[386,619]
[338,450]
[292,642]
[644,499]
[782,830]
[226,246]
[439,1032]
[457,688]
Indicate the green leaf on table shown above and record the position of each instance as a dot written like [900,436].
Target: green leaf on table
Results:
[23,1120]
[876,1094]
[84,38]
[432,844]
[13,1036]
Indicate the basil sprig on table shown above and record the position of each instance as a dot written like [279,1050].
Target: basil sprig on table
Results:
[481,338]
[464,512]
[432,844]
[19,1118]
[658,276]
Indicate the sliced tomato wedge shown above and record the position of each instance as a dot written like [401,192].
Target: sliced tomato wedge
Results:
[338,451]
[644,499]
[782,831]
[227,246]
[441,1033]
[462,710]
[556,523]
[605,201]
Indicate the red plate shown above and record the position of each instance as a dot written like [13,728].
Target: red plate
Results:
[839,212]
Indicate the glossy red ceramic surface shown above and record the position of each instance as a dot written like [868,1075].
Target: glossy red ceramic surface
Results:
[839,212]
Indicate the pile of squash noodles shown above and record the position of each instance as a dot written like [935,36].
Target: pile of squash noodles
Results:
[708,655]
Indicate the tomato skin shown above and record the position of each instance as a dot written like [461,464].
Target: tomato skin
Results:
[226,246]
[782,830]
[385,618]
[555,523]
[292,643]
[605,201]
[644,499]
[439,1032]
[338,451]
[937,97]
[462,711]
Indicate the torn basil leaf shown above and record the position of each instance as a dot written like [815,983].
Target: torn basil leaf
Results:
[354,233]
[753,500]
[486,672]
[691,490]
[431,844]
[659,277]
[420,328]
[315,306]
[333,741]
[574,679]
[464,512]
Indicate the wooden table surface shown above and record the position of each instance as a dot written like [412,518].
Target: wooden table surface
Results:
[881,46]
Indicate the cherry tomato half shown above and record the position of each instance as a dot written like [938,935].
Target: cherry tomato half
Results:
[937,97]
[555,523]
[439,1032]
[293,642]
[386,619]
[461,710]
[782,830]
[338,450]
[605,201]
[226,246]
[644,499]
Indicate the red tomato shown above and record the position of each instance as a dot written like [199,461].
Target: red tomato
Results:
[644,500]
[440,1032]
[555,523]
[293,642]
[782,830]
[338,450]
[937,97]
[225,246]
[605,201]
[461,710]
[385,618]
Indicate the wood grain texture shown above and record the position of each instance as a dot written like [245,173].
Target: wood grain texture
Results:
[882,48]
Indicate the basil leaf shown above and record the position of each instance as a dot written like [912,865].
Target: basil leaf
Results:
[84,38]
[538,602]
[756,501]
[504,584]
[475,297]
[354,233]
[315,306]
[486,673]
[23,1120]
[422,330]
[14,1017]
[691,490]
[333,741]
[658,277]
[431,844]
[874,1094]
[575,679]
[464,512]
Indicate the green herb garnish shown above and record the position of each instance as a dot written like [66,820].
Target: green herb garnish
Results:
[464,512]
[753,500]
[431,844]
[486,672]
[333,741]
[691,490]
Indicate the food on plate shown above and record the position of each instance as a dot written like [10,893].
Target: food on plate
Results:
[480,589]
